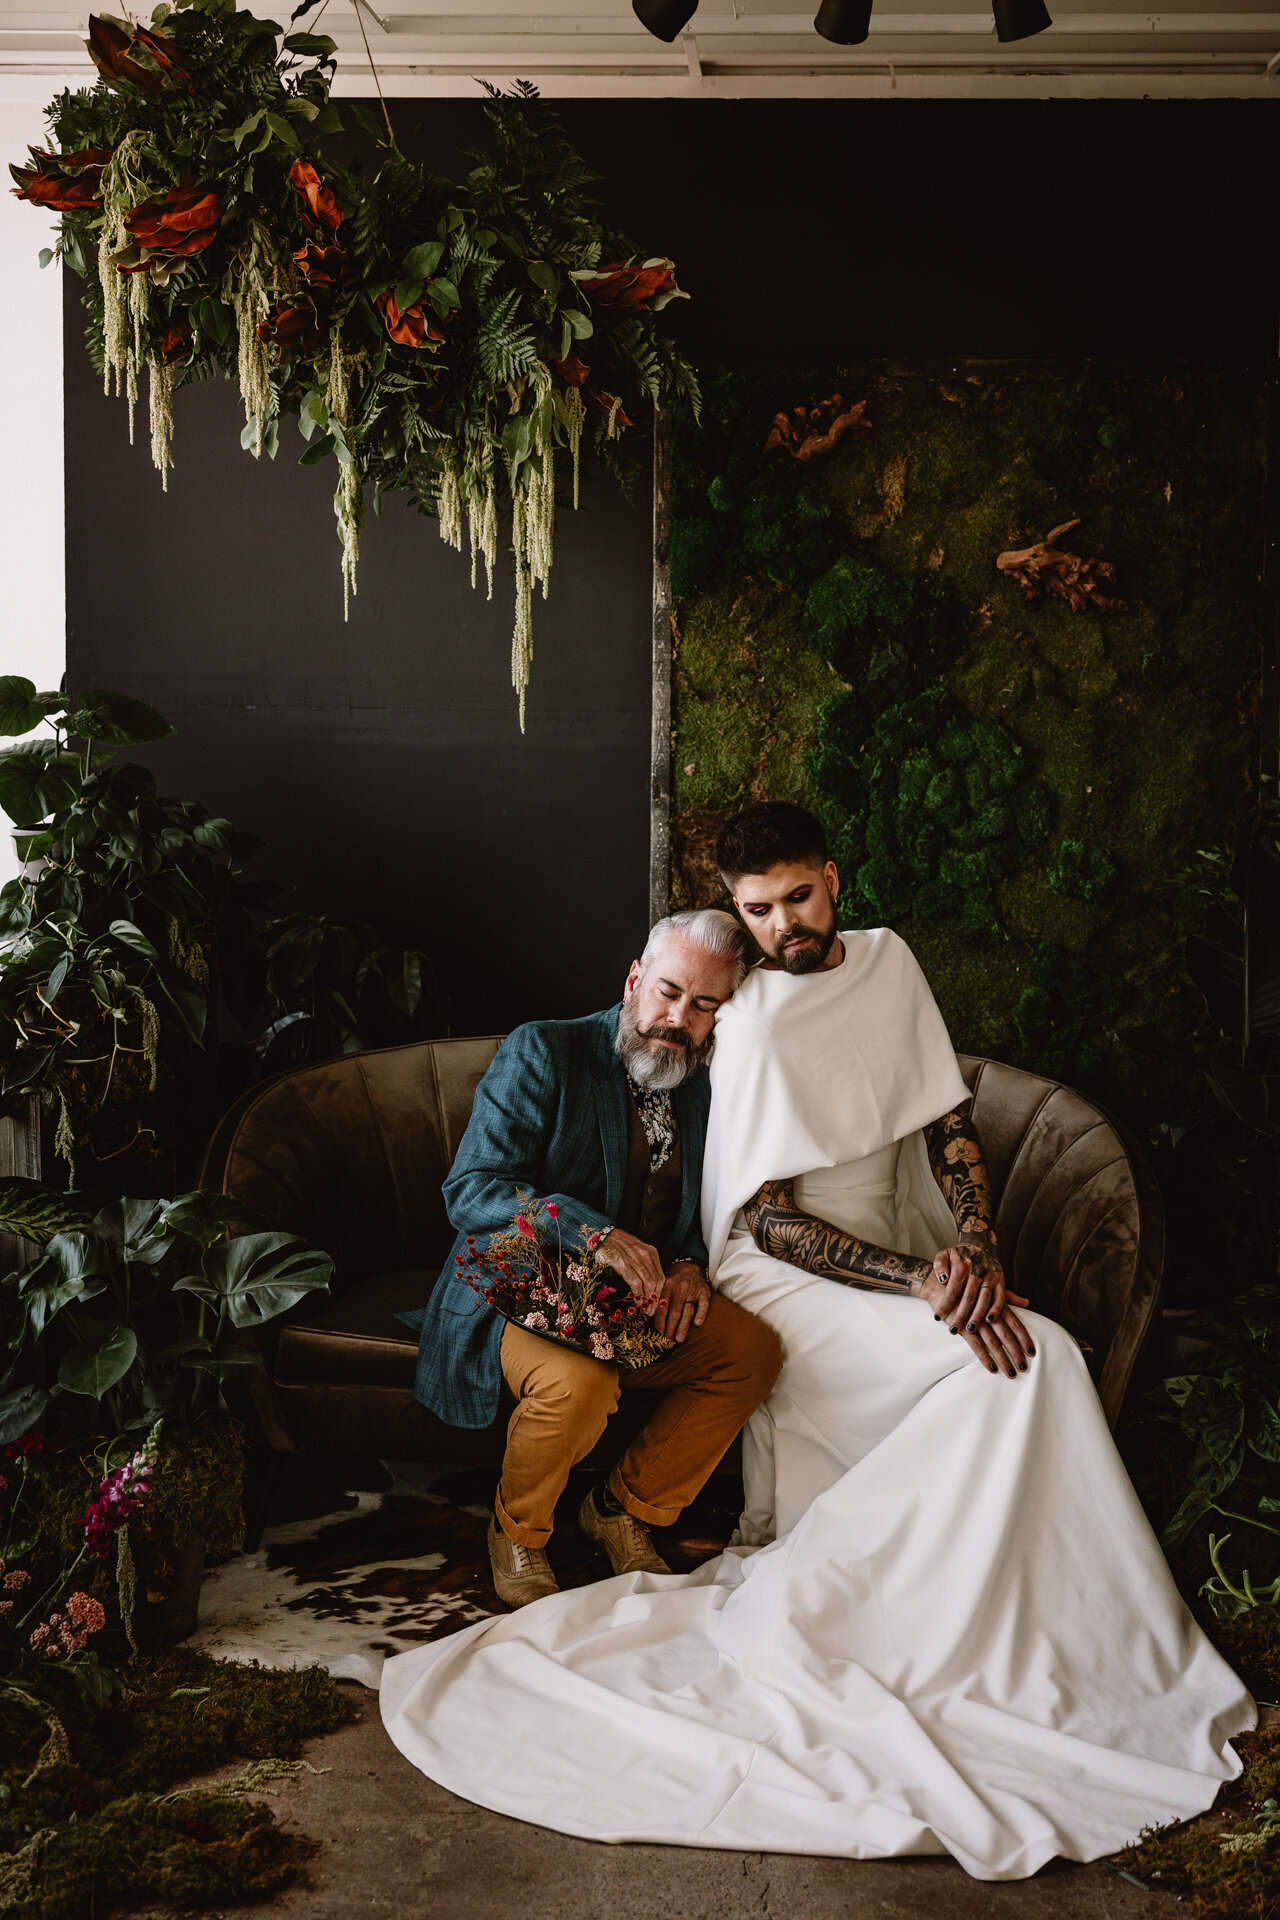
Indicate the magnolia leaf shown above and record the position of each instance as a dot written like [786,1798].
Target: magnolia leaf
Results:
[421,262]
[578,323]
[318,452]
[284,133]
[94,1374]
[315,44]
[409,291]
[246,127]
[544,276]
[313,413]
[444,297]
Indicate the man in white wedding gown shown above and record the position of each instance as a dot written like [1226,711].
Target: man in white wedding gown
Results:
[946,1625]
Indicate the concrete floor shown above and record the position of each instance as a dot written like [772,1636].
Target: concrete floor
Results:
[394,1843]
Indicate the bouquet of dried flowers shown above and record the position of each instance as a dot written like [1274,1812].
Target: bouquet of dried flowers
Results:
[571,1296]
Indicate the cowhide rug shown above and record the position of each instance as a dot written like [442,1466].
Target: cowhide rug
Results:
[366,1558]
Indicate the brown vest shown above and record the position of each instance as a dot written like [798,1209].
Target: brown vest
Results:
[650,1201]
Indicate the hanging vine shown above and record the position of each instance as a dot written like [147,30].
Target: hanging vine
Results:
[442,338]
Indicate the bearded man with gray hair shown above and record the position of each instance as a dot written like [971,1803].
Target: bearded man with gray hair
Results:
[606,1119]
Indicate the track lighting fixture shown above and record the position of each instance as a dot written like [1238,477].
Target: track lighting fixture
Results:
[664,18]
[847,22]
[1019,19]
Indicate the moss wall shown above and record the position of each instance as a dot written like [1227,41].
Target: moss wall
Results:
[1011,786]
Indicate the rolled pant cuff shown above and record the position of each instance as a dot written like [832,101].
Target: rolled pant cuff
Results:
[522,1536]
[639,1509]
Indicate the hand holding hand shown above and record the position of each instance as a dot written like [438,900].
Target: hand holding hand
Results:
[685,1300]
[967,1293]
[634,1262]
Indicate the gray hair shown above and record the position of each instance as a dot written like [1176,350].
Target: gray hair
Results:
[707,927]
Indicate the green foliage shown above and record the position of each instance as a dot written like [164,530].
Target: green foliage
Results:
[1085,873]
[1052,941]
[108,1830]
[928,810]
[426,312]
[1059,1018]
[135,1312]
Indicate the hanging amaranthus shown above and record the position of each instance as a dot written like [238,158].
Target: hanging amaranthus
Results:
[124,186]
[233,239]
[161,375]
[348,501]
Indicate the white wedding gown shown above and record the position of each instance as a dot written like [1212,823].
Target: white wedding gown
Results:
[948,1628]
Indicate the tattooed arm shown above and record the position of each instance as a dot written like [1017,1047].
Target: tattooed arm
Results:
[780,1229]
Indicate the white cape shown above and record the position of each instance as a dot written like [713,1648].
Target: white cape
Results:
[819,1069]
[964,1637]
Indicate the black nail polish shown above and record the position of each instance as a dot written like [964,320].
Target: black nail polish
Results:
[1032,1352]
[1022,1366]
[955,1329]
[994,1368]
[971,1328]
[937,1316]
[1012,1374]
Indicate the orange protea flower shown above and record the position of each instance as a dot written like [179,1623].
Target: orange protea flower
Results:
[121,51]
[632,286]
[294,327]
[324,209]
[66,182]
[413,327]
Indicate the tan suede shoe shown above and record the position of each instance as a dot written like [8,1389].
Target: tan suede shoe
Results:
[623,1538]
[520,1574]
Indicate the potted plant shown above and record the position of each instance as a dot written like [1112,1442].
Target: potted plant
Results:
[126,1323]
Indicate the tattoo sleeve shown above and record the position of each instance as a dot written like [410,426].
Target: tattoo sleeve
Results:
[955,1154]
[802,1240]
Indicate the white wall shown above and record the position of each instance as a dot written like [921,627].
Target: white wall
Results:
[32,578]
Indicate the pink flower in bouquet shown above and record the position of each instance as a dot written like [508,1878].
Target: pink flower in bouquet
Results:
[27,1443]
[602,1346]
[553,1211]
[119,1495]
[6,1608]
[523,1227]
[594,1239]
[538,1321]
[16,1580]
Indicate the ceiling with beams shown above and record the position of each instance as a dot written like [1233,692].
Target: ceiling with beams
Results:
[737,49]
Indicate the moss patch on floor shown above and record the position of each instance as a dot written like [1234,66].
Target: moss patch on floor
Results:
[104,1825]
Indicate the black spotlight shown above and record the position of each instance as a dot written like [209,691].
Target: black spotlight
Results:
[664,18]
[847,22]
[1019,19]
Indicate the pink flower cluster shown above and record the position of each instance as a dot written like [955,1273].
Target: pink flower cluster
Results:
[63,1634]
[119,1495]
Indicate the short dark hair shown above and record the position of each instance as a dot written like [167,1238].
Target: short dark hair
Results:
[771,834]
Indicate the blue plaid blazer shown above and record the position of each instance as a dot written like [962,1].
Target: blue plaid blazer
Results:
[550,1118]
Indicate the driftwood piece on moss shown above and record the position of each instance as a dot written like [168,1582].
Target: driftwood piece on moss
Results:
[1047,568]
[808,432]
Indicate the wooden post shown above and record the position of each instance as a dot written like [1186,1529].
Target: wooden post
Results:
[660,742]
[19,1154]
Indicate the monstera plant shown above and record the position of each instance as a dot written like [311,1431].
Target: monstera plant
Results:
[132,1309]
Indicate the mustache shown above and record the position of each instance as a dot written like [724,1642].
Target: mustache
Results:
[678,1034]
[791,933]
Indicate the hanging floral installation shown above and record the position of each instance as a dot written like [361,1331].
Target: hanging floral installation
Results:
[443,337]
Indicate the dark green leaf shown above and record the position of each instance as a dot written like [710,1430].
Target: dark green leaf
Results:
[205,1216]
[36,1212]
[116,719]
[1187,1518]
[133,937]
[259,1275]
[318,452]
[35,781]
[21,707]
[1264,1435]
[310,43]
[19,1412]
[96,1373]
[25,1068]
[421,262]
[284,133]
